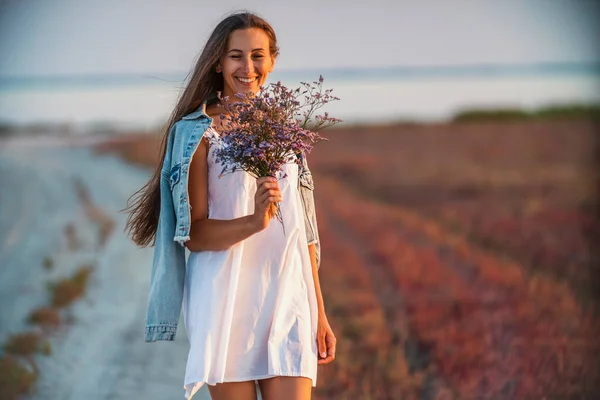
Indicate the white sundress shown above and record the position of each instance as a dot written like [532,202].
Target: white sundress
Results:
[251,311]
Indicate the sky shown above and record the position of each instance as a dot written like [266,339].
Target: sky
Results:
[78,37]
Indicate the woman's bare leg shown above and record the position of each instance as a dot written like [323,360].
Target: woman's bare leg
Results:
[285,387]
[245,390]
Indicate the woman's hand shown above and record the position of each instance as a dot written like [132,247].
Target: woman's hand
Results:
[325,341]
[267,192]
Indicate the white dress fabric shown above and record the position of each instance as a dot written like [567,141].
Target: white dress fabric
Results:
[251,311]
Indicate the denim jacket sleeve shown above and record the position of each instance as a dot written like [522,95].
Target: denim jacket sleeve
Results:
[168,268]
[306,188]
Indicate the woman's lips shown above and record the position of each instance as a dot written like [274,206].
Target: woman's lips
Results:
[245,82]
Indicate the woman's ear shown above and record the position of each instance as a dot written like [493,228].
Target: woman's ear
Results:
[218,68]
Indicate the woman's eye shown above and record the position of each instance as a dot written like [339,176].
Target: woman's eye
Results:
[255,56]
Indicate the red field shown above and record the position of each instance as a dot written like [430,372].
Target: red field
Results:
[455,263]
[455,260]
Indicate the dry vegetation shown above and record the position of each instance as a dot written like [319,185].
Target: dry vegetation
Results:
[18,370]
[67,290]
[16,379]
[524,190]
[95,214]
[138,148]
[26,344]
[45,317]
[458,259]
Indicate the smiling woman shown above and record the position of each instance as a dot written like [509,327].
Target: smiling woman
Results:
[250,292]
[245,66]
[247,63]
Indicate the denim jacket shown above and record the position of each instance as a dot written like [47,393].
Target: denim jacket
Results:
[169,265]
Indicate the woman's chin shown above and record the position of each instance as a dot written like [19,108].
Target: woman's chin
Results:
[253,91]
[246,89]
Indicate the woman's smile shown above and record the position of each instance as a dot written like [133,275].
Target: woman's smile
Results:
[246,81]
[246,63]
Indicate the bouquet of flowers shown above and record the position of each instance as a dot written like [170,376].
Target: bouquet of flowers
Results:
[263,131]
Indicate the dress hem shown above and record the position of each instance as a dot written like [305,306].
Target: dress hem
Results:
[249,378]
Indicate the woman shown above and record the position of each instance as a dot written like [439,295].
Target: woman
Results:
[250,293]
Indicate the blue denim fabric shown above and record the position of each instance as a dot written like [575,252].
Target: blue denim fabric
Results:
[168,268]
[306,188]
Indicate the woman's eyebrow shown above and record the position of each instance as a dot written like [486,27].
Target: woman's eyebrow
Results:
[241,51]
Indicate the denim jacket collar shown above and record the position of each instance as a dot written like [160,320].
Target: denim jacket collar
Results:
[201,110]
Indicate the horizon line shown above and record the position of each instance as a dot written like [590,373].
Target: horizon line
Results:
[480,65]
[335,73]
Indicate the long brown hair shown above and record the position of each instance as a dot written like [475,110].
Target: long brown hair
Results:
[144,205]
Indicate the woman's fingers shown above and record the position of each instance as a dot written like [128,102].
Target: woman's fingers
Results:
[330,340]
[270,196]
[267,191]
[267,186]
[260,189]
[327,345]
[265,183]
[322,347]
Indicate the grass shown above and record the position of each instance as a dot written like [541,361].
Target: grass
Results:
[48,263]
[474,320]
[72,239]
[455,256]
[106,227]
[15,379]
[66,291]
[142,149]
[103,221]
[26,344]
[82,275]
[45,316]
[506,114]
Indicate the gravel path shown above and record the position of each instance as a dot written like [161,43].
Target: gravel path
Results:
[102,353]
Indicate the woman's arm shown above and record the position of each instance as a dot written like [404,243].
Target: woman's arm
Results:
[312,250]
[326,341]
[213,234]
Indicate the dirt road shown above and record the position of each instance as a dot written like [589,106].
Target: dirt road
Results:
[101,354]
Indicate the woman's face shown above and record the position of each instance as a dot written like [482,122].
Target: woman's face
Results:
[246,63]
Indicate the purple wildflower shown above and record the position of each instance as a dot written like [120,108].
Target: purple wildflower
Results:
[268,129]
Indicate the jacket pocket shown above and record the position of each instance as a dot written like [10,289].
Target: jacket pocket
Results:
[174,175]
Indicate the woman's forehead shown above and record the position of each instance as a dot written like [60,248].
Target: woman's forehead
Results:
[248,40]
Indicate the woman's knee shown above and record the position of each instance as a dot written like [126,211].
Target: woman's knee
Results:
[245,390]
[285,387]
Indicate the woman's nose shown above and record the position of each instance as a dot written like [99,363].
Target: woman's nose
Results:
[248,66]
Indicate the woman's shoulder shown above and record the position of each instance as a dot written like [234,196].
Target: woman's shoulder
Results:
[186,133]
